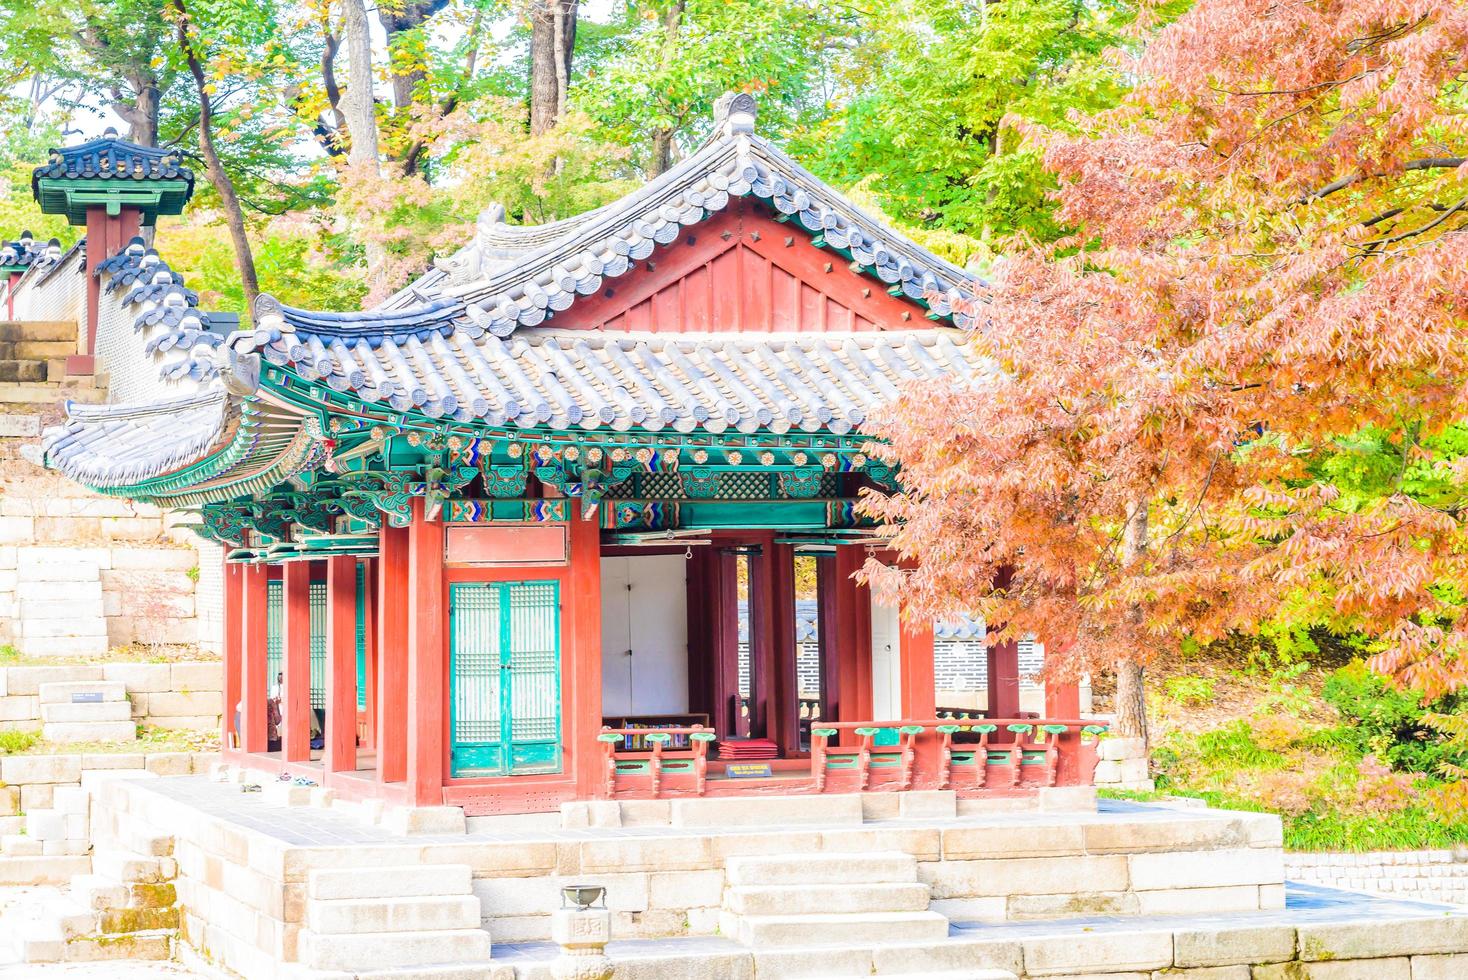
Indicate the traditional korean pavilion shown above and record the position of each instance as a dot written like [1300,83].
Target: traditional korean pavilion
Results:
[490,543]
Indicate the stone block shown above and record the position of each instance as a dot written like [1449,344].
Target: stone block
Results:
[1116,749]
[1366,938]
[1450,966]
[955,956]
[75,842]
[644,854]
[36,796]
[112,760]
[927,804]
[1106,952]
[198,676]
[66,646]
[154,559]
[42,870]
[923,843]
[685,889]
[170,763]
[992,908]
[17,530]
[385,950]
[70,800]
[1222,947]
[1207,869]
[645,813]
[21,845]
[90,731]
[1027,907]
[500,858]
[1013,841]
[430,912]
[820,899]
[733,811]
[845,929]
[44,825]
[1188,901]
[103,711]
[821,869]
[23,769]
[285,794]
[140,678]
[41,558]
[16,425]
[9,801]
[801,963]
[1398,968]
[28,680]
[1183,833]
[1271,897]
[19,707]
[1026,876]
[388,882]
[62,692]
[424,820]
[1066,799]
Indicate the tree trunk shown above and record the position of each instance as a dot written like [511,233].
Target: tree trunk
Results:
[360,110]
[142,115]
[234,217]
[1131,703]
[662,138]
[552,46]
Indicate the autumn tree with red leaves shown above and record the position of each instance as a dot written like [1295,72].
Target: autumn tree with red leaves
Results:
[1235,394]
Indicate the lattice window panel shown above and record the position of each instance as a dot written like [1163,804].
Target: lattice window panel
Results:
[534,662]
[476,664]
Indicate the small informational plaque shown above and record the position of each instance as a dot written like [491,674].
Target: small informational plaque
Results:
[86,697]
[747,770]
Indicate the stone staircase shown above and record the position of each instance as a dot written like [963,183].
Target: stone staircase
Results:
[821,898]
[419,922]
[125,909]
[79,572]
[86,711]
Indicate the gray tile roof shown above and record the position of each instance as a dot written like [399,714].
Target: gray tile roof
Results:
[117,445]
[158,298]
[589,379]
[112,158]
[27,253]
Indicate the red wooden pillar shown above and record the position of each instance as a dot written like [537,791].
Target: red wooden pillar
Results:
[783,709]
[368,715]
[233,645]
[392,654]
[1004,680]
[341,664]
[107,234]
[1062,699]
[581,656]
[852,622]
[295,707]
[254,686]
[723,596]
[427,659]
[916,662]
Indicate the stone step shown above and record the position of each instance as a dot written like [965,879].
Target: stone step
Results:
[865,928]
[354,915]
[37,350]
[90,731]
[18,330]
[45,870]
[439,971]
[436,880]
[975,974]
[874,868]
[17,370]
[50,395]
[817,899]
[99,892]
[60,692]
[66,646]
[101,711]
[128,867]
[21,845]
[128,946]
[385,950]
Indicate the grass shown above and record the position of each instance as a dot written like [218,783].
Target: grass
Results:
[11,656]
[150,740]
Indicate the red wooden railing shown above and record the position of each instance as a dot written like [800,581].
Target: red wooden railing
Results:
[965,755]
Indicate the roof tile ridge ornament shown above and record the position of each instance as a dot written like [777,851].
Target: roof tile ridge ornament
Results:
[468,263]
[735,112]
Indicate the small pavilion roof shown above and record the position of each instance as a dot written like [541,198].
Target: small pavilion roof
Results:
[112,158]
[118,445]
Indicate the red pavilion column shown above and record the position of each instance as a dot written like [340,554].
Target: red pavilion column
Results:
[915,652]
[341,664]
[254,590]
[107,234]
[296,636]
[392,654]
[1004,680]
[233,645]
[784,688]
[852,622]
[427,660]
[581,658]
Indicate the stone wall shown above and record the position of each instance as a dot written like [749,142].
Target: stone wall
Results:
[1428,876]
[184,694]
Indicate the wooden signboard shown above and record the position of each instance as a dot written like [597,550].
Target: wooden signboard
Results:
[484,545]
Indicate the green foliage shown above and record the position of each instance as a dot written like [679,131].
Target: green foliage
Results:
[14,742]
[1190,690]
[1391,723]
[290,267]
[9,654]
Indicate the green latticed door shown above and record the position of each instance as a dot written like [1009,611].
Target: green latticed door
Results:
[505,677]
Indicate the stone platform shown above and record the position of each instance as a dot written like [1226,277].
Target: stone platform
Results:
[268,884]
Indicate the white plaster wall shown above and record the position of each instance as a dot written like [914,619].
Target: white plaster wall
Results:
[886,663]
[645,610]
[58,293]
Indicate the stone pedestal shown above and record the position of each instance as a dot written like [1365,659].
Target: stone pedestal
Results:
[582,935]
[1123,765]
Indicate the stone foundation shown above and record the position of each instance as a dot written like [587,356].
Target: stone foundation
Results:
[1429,876]
[183,694]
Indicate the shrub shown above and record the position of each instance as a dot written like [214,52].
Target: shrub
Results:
[1190,690]
[11,742]
[1390,723]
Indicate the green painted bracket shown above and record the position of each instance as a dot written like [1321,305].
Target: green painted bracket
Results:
[949,729]
[911,729]
[703,736]
[825,732]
